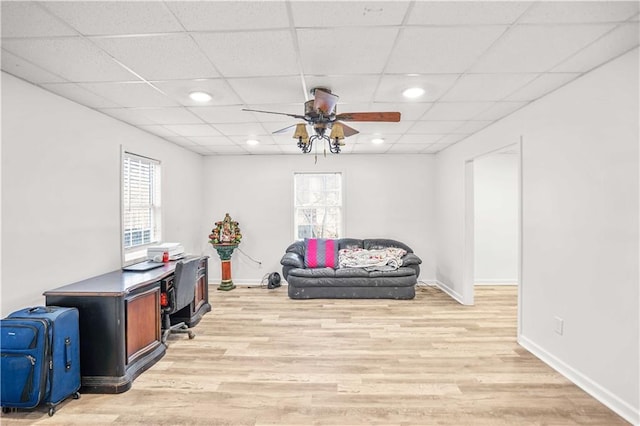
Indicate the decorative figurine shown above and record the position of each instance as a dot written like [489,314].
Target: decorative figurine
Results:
[225,237]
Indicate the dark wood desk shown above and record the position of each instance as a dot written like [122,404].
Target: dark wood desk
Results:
[120,322]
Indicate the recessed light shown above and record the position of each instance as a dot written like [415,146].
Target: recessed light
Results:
[200,96]
[413,92]
[377,141]
[252,142]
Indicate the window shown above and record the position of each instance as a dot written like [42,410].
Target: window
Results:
[140,205]
[317,205]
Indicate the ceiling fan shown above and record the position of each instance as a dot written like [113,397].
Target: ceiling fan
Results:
[321,114]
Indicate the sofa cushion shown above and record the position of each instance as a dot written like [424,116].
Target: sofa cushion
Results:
[292,259]
[313,272]
[320,253]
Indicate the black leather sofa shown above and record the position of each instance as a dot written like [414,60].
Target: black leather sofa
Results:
[350,283]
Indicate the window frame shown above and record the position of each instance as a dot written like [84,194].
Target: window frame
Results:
[342,207]
[130,255]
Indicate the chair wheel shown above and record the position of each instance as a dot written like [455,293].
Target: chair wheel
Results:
[52,411]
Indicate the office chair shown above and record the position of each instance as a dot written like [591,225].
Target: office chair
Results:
[181,294]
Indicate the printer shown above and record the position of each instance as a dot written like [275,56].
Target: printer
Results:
[175,250]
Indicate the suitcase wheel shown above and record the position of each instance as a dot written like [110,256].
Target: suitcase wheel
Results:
[52,411]
[76,395]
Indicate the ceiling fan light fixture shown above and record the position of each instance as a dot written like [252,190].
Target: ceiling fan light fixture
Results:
[337,132]
[200,96]
[413,92]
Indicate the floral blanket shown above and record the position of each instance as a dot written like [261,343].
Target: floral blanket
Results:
[386,259]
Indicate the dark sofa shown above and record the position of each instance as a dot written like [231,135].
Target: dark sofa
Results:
[350,283]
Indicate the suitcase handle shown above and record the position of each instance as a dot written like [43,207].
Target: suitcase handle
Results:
[46,309]
[67,353]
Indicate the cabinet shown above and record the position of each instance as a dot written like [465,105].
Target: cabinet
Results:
[120,320]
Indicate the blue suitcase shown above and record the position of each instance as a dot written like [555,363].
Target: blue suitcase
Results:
[40,352]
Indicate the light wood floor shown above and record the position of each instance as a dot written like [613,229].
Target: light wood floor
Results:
[260,358]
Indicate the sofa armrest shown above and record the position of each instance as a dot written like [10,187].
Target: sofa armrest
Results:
[292,259]
[411,259]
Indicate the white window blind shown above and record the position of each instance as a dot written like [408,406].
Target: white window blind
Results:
[140,204]
[318,205]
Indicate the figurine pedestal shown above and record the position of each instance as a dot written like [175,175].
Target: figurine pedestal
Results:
[225,251]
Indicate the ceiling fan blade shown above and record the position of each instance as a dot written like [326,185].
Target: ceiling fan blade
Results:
[324,101]
[348,131]
[301,117]
[284,129]
[369,116]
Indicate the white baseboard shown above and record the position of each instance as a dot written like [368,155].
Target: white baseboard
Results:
[620,407]
[501,281]
[451,292]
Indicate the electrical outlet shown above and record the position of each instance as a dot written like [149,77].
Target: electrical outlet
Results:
[559,325]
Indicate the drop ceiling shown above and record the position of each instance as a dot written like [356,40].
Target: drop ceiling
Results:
[478,62]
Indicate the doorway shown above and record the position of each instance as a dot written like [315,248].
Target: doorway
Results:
[492,222]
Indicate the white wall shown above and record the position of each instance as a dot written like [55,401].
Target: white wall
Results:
[496,219]
[386,196]
[61,192]
[580,227]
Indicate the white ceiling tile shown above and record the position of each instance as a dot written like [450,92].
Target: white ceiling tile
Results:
[276,120]
[263,149]
[419,139]
[434,85]
[28,19]
[227,149]
[240,54]
[441,49]
[370,148]
[486,87]
[577,12]
[499,110]
[242,140]
[170,115]
[222,114]
[624,37]
[470,127]
[115,17]
[241,129]
[283,126]
[349,14]
[219,89]
[166,56]
[210,140]
[130,94]
[359,50]
[541,86]
[192,130]
[203,150]
[180,140]
[434,127]
[406,148]
[545,47]
[456,110]
[158,130]
[73,58]
[19,67]
[451,139]
[230,15]
[79,94]
[466,12]
[128,115]
[267,90]
[380,128]
[436,147]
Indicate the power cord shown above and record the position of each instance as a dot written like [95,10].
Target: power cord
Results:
[251,258]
